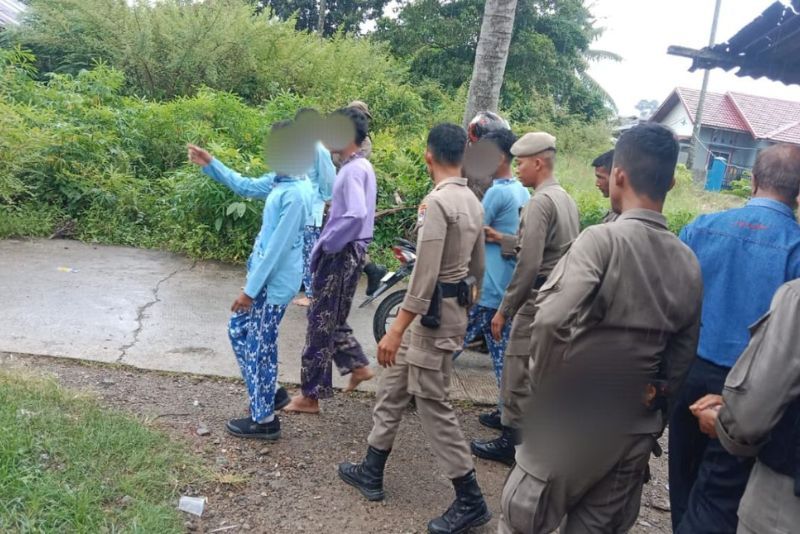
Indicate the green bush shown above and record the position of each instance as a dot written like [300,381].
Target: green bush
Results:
[77,153]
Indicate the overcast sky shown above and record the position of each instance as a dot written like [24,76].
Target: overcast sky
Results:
[641,30]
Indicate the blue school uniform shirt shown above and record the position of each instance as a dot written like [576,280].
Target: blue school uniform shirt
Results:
[277,258]
[322,176]
[502,205]
[745,255]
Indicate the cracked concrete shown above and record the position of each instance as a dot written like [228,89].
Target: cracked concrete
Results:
[142,309]
[155,310]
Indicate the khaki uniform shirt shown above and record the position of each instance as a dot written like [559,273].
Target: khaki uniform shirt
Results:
[450,247]
[548,226]
[766,377]
[624,299]
[610,216]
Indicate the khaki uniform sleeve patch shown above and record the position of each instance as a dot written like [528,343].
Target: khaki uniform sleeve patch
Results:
[423,208]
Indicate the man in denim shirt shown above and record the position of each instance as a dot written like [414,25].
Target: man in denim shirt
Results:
[745,255]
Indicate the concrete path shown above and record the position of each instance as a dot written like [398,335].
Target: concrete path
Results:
[155,310]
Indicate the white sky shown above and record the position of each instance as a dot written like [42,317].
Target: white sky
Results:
[641,30]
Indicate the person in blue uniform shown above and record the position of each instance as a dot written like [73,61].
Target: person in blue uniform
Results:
[274,272]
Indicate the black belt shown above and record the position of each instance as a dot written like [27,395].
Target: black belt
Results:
[449,290]
[540,281]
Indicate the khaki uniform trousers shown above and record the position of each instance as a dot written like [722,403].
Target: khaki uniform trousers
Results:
[597,493]
[515,383]
[422,370]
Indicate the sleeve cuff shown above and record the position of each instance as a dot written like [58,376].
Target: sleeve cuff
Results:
[731,445]
[416,305]
[508,245]
[211,168]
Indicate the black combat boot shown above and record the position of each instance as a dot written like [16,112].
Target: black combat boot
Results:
[469,510]
[500,449]
[491,420]
[366,477]
[374,275]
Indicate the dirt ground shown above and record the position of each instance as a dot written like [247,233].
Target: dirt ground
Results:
[291,485]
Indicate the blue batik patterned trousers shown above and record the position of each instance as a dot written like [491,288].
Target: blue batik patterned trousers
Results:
[310,237]
[480,323]
[254,338]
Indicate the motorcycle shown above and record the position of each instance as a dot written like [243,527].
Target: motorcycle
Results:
[406,254]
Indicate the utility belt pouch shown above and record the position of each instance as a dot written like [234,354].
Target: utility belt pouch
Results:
[433,319]
[467,291]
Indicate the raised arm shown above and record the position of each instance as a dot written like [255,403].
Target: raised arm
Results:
[246,187]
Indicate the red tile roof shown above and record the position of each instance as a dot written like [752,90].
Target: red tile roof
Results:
[764,118]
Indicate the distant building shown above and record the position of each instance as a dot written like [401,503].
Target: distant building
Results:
[10,12]
[734,126]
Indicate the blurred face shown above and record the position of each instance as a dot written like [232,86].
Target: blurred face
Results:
[601,180]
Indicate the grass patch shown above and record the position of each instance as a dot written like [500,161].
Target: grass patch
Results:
[68,465]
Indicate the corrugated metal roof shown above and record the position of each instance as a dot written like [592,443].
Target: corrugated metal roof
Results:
[762,117]
[10,12]
[769,46]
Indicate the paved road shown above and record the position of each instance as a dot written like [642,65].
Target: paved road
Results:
[154,310]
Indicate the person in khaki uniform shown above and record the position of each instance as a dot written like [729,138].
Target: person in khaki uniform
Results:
[548,227]
[602,172]
[416,353]
[758,415]
[616,328]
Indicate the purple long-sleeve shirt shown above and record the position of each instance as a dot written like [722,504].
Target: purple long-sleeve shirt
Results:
[352,214]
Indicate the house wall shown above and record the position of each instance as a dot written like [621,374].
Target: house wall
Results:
[740,147]
[680,122]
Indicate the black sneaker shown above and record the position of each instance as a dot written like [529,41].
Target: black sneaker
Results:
[247,428]
[375,274]
[491,420]
[282,399]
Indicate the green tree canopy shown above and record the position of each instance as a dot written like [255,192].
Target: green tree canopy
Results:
[547,61]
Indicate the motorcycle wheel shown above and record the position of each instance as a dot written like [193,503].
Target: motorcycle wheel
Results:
[386,313]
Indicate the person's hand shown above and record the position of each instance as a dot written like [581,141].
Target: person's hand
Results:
[197,155]
[492,235]
[498,323]
[388,347]
[242,304]
[707,420]
[704,403]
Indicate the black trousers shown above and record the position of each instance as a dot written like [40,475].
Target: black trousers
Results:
[706,483]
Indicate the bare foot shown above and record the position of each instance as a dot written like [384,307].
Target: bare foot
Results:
[302,404]
[362,374]
[305,302]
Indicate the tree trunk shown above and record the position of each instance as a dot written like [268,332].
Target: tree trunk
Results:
[490,57]
[323,7]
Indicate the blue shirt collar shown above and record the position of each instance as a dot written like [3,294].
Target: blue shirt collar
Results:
[281,178]
[771,204]
[505,180]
